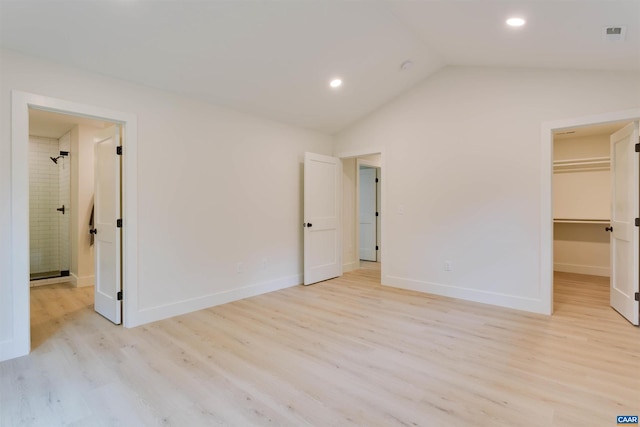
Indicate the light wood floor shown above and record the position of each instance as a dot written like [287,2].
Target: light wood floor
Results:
[343,352]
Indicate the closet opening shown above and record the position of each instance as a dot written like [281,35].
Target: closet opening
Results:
[583,191]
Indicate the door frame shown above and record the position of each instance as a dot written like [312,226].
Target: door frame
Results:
[383,204]
[20,104]
[545,293]
[369,163]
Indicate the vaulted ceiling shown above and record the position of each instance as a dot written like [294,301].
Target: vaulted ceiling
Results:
[275,58]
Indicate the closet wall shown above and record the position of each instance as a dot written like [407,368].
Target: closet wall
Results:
[582,199]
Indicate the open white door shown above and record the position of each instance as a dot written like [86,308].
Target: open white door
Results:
[367,214]
[322,218]
[624,211]
[107,295]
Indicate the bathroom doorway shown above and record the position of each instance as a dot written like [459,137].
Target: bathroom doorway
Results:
[60,198]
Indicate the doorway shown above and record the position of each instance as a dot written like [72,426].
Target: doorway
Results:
[369,210]
[61,198]
[582,211]
[88,190]
[22,102]
[363,238]
[578,205]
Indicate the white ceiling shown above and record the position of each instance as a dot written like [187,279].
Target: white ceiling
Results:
[54,125]
[591,130]
[275,58]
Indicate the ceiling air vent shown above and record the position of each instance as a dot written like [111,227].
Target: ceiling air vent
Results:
[614,34]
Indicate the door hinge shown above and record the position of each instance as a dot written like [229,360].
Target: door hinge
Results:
[376,179]
[119,150]
[637,221]
[637,296]
[119,223]
[637,148]
[376,213]
[376,248]
[119,295]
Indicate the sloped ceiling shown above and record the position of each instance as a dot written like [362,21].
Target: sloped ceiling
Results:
[275,59]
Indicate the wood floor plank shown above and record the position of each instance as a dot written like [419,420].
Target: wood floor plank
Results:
[345,352]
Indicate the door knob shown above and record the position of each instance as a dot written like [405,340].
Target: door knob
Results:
[610,229]
[93,231]
[309,224]
[61,209]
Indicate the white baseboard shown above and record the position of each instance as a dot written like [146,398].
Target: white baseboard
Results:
[350,266]
[81,282]
[533,305]
[582,269]
[153,314]
[14,347]
[49,281]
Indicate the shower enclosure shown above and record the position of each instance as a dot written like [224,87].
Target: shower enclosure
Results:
[49,203]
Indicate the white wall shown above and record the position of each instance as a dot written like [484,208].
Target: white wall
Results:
[350,259]
[215,187]
[373,159]
[463,155]
[82,265]
[581,248]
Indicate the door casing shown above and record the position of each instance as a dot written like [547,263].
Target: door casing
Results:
[20,103]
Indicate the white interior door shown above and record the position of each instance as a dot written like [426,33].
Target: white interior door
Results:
[107,233]
[624,211]
[322,218]
[367,214]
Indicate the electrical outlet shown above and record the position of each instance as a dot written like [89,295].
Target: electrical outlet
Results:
[448,266]
[239,267]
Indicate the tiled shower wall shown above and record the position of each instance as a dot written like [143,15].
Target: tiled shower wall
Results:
[48,190]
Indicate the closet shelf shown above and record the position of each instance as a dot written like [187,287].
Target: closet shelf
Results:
[582,165]
[581,221]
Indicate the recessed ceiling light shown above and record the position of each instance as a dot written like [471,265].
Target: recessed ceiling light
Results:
[335,83]
[515,22]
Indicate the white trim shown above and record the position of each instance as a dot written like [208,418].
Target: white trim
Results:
[363,152]
[591,270]
[19,342]
[493,298]
[81,282]
[546,179]
[350,266]
[206,301]
[50,281]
